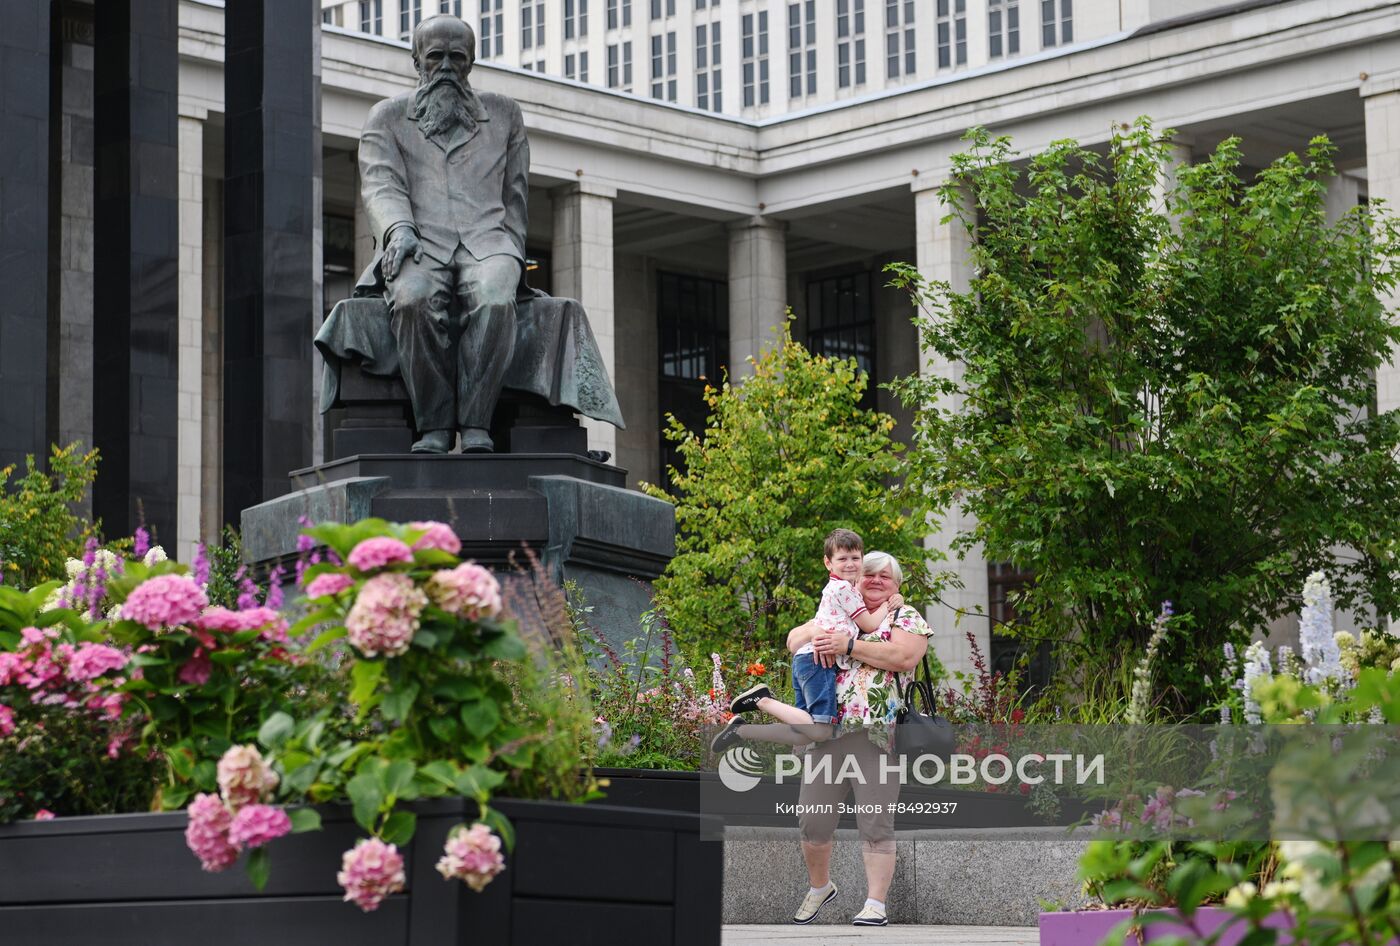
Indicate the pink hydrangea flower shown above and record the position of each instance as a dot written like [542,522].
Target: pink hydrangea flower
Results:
[11,665]
[385,616]
[273,625]
[467,590]
[256,825]
[7,720]
[244,778]
[197,669]
[207,833]
[165,601]
[43,814]
[473,856]
[371,871]
[91,661]
[329,584]
[378,552]
[437,535]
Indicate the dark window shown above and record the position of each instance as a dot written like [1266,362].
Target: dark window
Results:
[841,323]
[692,321]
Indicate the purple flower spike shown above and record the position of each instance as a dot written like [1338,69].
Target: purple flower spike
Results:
[201,564]
[141,543]
[274,589]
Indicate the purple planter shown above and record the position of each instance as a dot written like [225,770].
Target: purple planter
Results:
[1090,927]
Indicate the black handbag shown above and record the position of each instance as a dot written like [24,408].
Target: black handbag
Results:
[919,733]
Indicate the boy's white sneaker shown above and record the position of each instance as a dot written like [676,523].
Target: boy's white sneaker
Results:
[870,915]
[813,902]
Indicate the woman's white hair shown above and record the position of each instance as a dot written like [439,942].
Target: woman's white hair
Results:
[876,562]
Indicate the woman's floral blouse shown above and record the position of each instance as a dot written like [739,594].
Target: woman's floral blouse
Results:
[871,698]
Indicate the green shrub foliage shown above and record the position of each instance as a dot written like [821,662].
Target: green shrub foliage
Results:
[787,455]
[1162,399]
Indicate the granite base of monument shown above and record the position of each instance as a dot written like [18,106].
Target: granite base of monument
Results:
[574,513]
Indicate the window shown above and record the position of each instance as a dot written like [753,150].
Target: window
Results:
[620,66]
[372,16]
[707,71]
[612,14]
[1056,22]
[850,43]
[692,321]
[899,38]
[663,67]
[328,16]
[841,323]
[576,67]
[952,33]
[1003,28]
[575,19]
[531,24]
[802,48]
[453,7]
[410,15]
[755,58]
[570,71]
[626,13]
[493,28]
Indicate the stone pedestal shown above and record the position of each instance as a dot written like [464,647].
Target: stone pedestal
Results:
[572,512]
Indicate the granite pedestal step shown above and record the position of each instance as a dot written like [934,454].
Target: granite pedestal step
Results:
[573,512]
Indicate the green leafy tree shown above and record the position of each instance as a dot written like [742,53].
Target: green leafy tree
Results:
[787,455]
[1162,402]
[39,531]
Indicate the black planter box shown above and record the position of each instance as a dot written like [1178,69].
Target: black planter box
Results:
[579,875]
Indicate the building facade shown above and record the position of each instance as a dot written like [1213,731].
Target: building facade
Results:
[685,229]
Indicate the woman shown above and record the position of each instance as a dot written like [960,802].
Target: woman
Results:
[869,699]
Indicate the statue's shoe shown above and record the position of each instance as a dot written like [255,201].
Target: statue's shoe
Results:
[434,441]
[476,440]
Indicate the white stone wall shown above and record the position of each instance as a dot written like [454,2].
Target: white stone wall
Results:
[190,358]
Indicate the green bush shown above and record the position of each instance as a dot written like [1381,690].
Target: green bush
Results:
[39,531]
[786,456]
[1162,404]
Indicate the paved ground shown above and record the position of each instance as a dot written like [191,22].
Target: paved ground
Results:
[899,935]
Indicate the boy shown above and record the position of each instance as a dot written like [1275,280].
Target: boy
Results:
[841,609]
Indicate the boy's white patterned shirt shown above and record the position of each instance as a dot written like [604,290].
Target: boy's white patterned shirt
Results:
[841,604]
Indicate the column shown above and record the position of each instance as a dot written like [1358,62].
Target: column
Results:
[944,252]
[271,288]
[583,270]
[71,313]
[757,288]
[24,238]
[1178,154]
[136,271]
[1343,194]
[190,448]
[1382,99]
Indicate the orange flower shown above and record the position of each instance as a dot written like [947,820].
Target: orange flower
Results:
[756,669]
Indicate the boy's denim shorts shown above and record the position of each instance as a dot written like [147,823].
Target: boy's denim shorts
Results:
[816,688]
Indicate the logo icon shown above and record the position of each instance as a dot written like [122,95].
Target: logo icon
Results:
[740,769]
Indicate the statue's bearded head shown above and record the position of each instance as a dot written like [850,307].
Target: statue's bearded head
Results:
[444,49]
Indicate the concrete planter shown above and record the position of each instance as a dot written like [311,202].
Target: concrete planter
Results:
[1090,927]
[579,874]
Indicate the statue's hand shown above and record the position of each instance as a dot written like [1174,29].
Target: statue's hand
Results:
[403,243]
